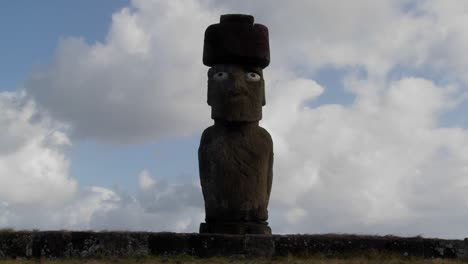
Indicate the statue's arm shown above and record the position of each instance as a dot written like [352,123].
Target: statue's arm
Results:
[270,172]
[269,141]
[205,140]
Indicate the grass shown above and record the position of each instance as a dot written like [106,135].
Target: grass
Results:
[238,260]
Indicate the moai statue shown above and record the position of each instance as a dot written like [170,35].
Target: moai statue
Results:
[236,154]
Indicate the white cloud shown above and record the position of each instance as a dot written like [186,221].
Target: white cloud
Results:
[163,206]
[33,165]
[145,180]
[146,80]
[143,83]
[91,201]
[308,35]
[37,192]
[295,215]
[368,169]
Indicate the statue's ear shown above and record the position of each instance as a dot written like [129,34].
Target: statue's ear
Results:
[209,74]
[260,70]
[209,99]
[263,94]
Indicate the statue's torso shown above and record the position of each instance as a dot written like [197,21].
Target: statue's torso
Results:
[236,172]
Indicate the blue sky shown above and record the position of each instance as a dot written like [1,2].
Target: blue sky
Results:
[32,30]
[104,102]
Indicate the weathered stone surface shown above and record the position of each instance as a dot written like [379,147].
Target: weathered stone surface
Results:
[236,40]
[235,99]
[60,244]
[236,154]
[170,244]
[239,227]
[235,172]
[346,245]
[16,244]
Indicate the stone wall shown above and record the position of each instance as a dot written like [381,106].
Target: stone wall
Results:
[63,244]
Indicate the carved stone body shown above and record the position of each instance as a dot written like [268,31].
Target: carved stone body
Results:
[236,154]
[236,174]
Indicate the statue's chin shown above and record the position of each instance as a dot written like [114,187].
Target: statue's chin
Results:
[237,109]
[239,117]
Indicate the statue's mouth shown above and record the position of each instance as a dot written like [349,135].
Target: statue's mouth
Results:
[238,97]
[238,93]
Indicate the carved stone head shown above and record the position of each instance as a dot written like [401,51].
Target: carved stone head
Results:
[237,50]
[236,92]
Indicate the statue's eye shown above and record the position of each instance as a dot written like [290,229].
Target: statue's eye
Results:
[253,77]
[220,76]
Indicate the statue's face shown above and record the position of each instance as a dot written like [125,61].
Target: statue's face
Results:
[235,92]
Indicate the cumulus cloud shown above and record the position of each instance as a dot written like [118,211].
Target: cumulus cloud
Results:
[382,164]
[33,164]
[37,191]
[161,206]
[99,209]
[143,83]
[146,80]
[369,167]
[145,180]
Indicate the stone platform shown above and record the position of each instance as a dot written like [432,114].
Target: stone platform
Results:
[63,244]
[236,228]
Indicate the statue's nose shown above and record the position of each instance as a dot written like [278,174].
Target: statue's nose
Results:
[239,84]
